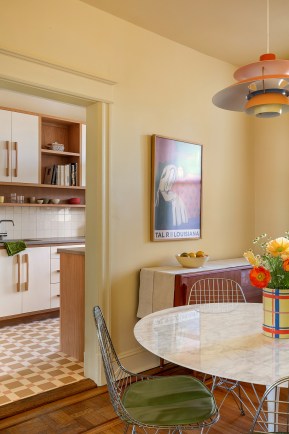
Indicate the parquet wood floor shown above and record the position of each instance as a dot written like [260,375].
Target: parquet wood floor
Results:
[89,411]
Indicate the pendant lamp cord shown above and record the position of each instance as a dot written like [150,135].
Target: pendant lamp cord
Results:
[268,29]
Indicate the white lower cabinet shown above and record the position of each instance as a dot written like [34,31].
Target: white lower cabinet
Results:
[54,277]
[55,273]
[36,279]
[11,300]
[25,281]
[30,281]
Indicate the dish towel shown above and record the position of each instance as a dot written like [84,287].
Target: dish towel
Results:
[14,247]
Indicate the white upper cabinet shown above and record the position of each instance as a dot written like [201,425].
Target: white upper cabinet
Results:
[5,141]
[19,147]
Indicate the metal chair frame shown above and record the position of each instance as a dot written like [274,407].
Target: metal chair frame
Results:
[216,290]
[118,379]
[272,414]
[220,290]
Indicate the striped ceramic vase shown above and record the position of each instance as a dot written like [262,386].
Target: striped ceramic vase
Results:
[276,313]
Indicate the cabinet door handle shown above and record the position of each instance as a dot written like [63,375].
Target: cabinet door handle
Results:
[16,159]
[8,158]
[18,284]
[26,284]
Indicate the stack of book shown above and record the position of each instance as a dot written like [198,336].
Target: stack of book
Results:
[61,174]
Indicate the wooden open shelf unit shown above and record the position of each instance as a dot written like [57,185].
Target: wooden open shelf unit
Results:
[43,205]
[64,132]
[40,191]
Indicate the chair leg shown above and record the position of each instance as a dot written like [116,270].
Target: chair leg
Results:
[214,383]
[238,400]
[241,403]
[126,428]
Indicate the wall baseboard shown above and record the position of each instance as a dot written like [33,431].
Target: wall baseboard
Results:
[138,360]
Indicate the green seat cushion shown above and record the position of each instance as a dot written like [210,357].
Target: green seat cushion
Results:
[166,401]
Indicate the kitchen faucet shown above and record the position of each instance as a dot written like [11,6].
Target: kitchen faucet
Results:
[4,234]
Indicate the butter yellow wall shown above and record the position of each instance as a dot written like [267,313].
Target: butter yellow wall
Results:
[163,88]
[271,155]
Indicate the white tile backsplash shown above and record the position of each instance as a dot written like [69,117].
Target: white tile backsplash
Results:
[42,222]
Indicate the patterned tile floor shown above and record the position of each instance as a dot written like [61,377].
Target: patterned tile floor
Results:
[31,363]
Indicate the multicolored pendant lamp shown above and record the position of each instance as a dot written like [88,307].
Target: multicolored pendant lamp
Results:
[262,89]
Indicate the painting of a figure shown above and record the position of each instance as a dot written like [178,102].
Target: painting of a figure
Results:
[176,189]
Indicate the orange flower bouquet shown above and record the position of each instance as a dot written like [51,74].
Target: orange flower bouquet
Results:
[271,268]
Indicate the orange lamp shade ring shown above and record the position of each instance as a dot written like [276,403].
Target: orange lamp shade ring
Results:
[266,105]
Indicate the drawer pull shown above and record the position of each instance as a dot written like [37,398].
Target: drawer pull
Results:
[26,284]
[18,285]
[8,158]
[16,160]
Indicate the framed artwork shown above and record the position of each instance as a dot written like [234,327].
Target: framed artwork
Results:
[176,189]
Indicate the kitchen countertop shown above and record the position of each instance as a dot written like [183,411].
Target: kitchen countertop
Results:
[47,241]
[72,251]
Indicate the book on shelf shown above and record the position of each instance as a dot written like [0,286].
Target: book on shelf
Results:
[58,175]
[61,174]
[54,175]
[48,175]
[67,175]
[73,174]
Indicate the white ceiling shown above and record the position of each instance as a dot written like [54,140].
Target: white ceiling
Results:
[231,30]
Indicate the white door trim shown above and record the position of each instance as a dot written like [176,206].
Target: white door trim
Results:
[51,80]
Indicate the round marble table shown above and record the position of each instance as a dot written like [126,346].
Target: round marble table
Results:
[223,340]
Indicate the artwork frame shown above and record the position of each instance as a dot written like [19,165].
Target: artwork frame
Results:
[176,189]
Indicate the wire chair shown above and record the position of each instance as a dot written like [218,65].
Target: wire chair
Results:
[219,290]
[273,412]
[216,290]
[172,403]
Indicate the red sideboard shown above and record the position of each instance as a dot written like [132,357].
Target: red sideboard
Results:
[168,286]
[184,282]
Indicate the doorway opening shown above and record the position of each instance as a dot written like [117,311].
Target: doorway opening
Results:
[94,95]
[30,358]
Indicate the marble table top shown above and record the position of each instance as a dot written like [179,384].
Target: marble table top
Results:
[225,340]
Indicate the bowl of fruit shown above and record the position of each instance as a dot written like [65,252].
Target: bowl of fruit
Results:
[192,259]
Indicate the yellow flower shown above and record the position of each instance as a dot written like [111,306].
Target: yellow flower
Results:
[278,247]
[254,260]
